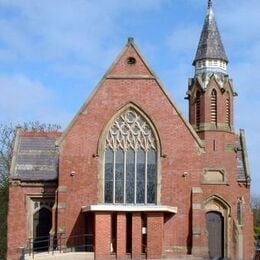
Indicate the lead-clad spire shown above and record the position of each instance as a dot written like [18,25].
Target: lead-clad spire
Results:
[209,3]
[210,44]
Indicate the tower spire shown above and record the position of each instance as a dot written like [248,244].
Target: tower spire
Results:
[210,49]
[210,91]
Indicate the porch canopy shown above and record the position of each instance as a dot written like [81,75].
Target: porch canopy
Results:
[130,208]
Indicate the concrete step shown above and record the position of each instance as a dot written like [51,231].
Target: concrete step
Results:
[56,255]
[184,257]
[61,256]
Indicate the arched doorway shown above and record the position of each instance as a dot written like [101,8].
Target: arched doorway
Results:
[42,223]
[215,228]
[222,212]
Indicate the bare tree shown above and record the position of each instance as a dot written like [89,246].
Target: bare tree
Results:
[255,201]
[7,135]
[255,204]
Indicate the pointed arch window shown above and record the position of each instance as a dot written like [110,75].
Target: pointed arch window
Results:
[130,174]
[228,110]
[213,106]
[197,104]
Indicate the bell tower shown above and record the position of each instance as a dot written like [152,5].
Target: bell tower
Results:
[210,91]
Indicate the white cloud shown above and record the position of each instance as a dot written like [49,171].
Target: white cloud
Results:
[20,93]
[241,19]
[23,99]
[65,30]
[184,39]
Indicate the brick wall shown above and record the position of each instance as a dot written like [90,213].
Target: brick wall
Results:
[18,215]
[182,161]
[180,149]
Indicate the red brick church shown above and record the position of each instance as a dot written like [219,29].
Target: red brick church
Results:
[130,177]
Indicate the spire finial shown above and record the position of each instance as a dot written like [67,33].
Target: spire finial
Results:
[209,4]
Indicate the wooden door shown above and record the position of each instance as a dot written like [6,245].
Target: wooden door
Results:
[215,227]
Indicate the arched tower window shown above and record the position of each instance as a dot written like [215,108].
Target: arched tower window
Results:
[130,173]
[228,110]
[197,104]
[213,106]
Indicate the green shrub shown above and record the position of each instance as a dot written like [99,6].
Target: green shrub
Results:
[257,230]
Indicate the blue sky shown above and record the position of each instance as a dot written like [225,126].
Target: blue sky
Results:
[53,53]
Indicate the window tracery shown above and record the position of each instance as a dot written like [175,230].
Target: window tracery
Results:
[130,160]
[130,130]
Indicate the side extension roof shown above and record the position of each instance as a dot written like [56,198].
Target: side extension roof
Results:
[35,156]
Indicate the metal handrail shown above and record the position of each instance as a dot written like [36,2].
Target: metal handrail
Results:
[60,243]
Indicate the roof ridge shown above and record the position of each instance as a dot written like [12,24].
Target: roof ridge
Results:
[53,134]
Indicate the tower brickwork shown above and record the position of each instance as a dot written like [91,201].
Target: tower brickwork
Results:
[211,114]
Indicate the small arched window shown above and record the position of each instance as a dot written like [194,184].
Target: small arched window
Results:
[213,106]
[228,110]
[130,172]
[197,104]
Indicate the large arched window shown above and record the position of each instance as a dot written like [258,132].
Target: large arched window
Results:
[130,172]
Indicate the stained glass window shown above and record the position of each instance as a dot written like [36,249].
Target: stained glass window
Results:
[130,161]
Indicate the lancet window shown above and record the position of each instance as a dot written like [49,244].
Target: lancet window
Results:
[228,111]
[197,104]
[213,106]
[130,174]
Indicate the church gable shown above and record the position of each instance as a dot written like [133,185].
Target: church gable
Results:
[88,153]
[130,80]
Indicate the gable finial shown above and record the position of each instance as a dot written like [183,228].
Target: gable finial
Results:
[209,4]
[130,39]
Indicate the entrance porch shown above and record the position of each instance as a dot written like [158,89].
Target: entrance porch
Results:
[128,231]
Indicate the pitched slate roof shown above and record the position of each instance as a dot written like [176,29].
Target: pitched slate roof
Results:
[243,173]
[35,156]
[210,44]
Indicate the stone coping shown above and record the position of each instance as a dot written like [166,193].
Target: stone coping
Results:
[130,208]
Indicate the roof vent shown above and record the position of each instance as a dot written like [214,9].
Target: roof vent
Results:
[131,60]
